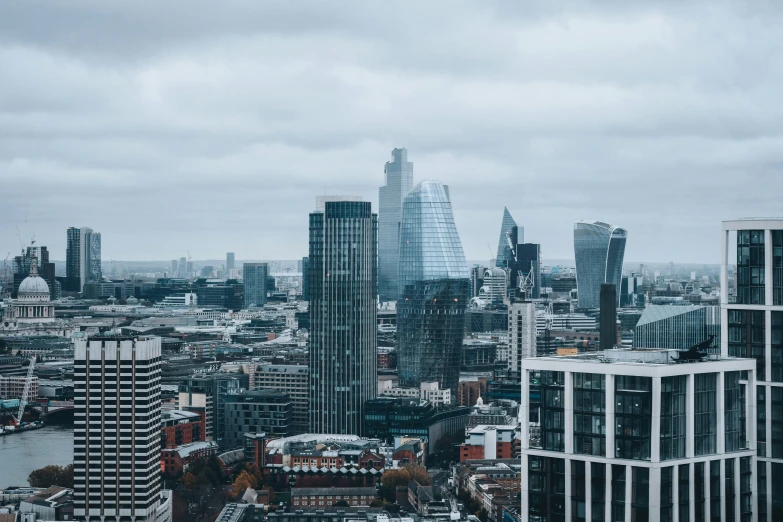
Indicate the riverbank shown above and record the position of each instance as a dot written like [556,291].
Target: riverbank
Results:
[21,453]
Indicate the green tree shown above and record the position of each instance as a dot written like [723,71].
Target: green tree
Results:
[52,476]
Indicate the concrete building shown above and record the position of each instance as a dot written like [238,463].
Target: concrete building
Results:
[291,379]
[399,181]
[521,333]
[752,326]
[490,442]
[117,418]
[634,435]
[343,307]
[328,497]
[230,261]
[260,411]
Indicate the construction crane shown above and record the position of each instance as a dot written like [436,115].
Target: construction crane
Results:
[27,384]
[5,275]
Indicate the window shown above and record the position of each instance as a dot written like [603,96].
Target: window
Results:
[705,414]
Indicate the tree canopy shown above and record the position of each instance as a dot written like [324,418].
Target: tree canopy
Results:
[52,475]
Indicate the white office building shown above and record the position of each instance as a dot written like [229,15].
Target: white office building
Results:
[117,430]
[634,435]
[521,334]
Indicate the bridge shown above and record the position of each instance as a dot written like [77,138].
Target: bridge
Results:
[53,407]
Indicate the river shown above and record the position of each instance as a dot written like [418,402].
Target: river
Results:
[21,453]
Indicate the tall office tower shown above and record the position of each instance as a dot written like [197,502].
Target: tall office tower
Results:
[752,326]
[598,251]
[117,430]
[626,435]
[608,320]
[399,181]
[230,261]
[82,258]
[254,277]
[521,333]
[173,272]
[434,287]
[182,267]
[305,279]
[343,282]
[505,243]
[476,279]
[529,260]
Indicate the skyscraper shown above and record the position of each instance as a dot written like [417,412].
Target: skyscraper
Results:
[173,268]
[504,248]
[608,319]
[399,180]
[117,430]
[182,267]
[529,260]
[752,326]
[254,278]
[521,333]
[229,261]
[82,258]
[433,290]
[305,279]
[343,279]
[598,251]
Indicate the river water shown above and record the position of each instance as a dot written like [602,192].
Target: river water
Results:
[21,453]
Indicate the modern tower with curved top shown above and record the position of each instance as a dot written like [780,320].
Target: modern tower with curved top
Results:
[433,290]
[598,251]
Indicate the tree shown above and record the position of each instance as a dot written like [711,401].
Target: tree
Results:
[378,503]
[243,481]
[341,503]
[189,481]
[52,476]
[390,480]
[419,474]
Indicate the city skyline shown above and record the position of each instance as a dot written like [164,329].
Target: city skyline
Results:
[314,105]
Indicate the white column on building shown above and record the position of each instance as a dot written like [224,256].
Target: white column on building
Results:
[655,427]
[689,412]
[675,494]
[525,480]
[610,422]
[723,489]
[654,494]
[692,492]
[569,413]
[588,491]
[720,399]
[568,468]
[525,413]
[628,490]
[724,295]
[768,268]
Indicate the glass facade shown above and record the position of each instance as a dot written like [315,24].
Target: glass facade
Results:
[699,491]
[705,414]
[733,402]
[399,180]
[673,417]
[747,337]
[677,327]
[254,281]
[546,497]
[776,422]
[599,249]
[750,267]
[434,284]
[504,255]
[776,348]
[590,414]
[552,411]
[777,267]
[343,326]
[633,414]
[598,491]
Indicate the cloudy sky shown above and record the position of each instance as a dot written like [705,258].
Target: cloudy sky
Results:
[212,126]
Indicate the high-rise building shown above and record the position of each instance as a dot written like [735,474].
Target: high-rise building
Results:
[505,243]
[230,261]
[529,260]
[82,258]
[399,180]
[343,281]
[677,326]
[254,276]
[752,326]
[521,333]
[598,251]
[607,327]
[209,392]
[182,267]
[173,268]
[305,279]
[117,430]
[631,435]
[434,287]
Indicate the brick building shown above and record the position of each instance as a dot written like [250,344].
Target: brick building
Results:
[174,460]
[325,497]
[490,442]
[468,392]
[179,427]
[13,387]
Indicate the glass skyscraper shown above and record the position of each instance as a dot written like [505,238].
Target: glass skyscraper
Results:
[504,255]
[342,287]
[434,282]
[598,251]
[82,258]
[399,180]
[254,277]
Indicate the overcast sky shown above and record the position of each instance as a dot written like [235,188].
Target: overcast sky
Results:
[212,126]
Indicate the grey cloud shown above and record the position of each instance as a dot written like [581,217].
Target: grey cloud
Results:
[212,127]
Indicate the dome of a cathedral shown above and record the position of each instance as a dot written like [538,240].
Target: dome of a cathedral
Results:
[33,285]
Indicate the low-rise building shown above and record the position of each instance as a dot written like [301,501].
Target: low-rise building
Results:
[174,461]
[179,427]
[490,442]
[54,503]
[327,497]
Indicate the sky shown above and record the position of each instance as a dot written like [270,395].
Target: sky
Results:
[212,126]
